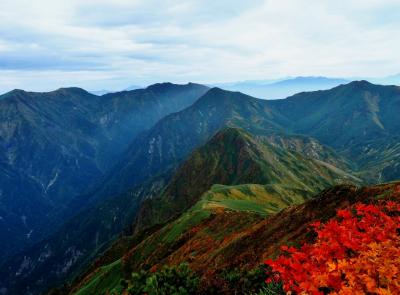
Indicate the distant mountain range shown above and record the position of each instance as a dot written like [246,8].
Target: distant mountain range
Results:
[389,80]
[104,91]
[126,179]
[282,88]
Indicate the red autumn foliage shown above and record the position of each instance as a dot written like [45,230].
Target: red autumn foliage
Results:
[358,252]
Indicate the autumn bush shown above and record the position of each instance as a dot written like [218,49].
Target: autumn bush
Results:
[357,252]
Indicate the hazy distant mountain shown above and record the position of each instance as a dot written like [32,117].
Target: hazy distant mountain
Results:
[389,80]
[133,87]
[277,89]
[105,91]
[101,92]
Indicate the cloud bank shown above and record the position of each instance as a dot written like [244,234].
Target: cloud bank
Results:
[108,44]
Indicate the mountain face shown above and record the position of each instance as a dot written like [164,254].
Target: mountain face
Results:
[75,244]
[348,119]
[345,115]
[177,135]
[272,89]
[234,156]
[190,154]
[54,145]
[231,157]
[359,120]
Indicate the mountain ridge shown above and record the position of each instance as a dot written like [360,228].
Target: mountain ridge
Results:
[289,139]
[57,139]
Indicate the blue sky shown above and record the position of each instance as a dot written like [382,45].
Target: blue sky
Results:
[103,44]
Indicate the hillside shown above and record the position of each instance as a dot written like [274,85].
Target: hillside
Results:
[174,137]
[347,118]
[59,143]
[346,115]
[227,238]
[234,156]
[288,150]
[231,157]
[358,120]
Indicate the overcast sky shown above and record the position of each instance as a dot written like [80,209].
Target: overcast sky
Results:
[104,44]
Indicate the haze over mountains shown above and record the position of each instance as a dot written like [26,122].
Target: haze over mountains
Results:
[284,87]
[167,157]
[56,145]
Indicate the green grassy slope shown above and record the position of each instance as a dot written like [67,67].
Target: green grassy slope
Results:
[249,198]
[106,278]
[234,156]
[217,234]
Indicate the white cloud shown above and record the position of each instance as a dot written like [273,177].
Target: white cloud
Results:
[107,43]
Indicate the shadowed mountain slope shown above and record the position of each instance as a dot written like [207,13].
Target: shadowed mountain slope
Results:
[55,145]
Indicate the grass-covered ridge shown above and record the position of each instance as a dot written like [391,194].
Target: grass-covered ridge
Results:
[105,279]
[234,157]
[237,176]
[247,198]
[228,238]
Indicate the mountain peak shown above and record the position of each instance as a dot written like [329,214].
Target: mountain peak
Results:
[14,92]
[360,83]
[17,91]
[223,94]
[72,90]
[162,87]
[231,133]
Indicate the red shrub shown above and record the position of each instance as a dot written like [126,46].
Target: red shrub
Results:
[356,253]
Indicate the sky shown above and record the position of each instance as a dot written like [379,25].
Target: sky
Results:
[104,44]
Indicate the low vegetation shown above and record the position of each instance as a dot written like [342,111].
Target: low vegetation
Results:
[355,253]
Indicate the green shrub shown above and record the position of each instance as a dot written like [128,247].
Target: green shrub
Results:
[271,289]
[170,280]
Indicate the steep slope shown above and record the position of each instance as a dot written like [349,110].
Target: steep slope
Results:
[20,199]
[48,140]
[345,115]
[227,240]
[56,144]
[346,118]
[128,113]
[359,120]
[234,156]
[75,244]
[174,137]
[231,157]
